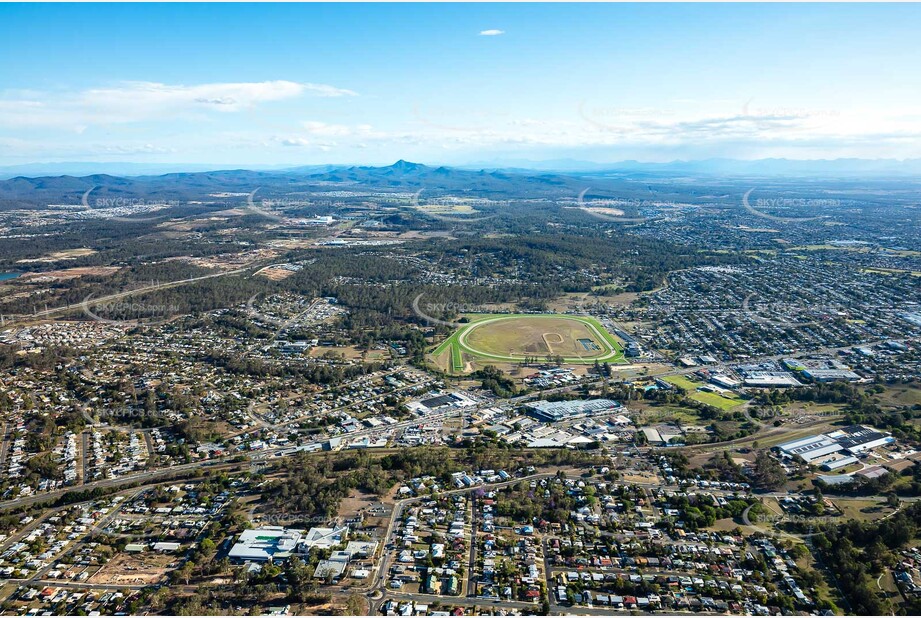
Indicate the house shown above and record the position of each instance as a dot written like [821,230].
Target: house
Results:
[165,547]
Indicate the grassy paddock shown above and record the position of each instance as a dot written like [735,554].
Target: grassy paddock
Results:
[723,402]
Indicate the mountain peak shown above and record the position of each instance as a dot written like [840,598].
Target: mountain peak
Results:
[406,166]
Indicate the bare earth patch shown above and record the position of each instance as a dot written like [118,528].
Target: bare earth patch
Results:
[130,569]
[69,254]
[275,274]
[71,273]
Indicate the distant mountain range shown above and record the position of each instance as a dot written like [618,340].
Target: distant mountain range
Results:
[66,168]
[23,191]
[733,167]
[766,167]
[498,183]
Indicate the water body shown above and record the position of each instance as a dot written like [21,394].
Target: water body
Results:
[5,276]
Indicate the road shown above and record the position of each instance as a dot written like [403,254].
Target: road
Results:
[216,463]
[313,414]
[84,462]
[4,443]
[376,584]
[25,530]
[38,579]
[471,558]
[548,575]
[47,313]
[100,525]
[269,453]
[150,476]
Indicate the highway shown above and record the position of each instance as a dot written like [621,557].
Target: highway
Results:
[150,476]
[46,313]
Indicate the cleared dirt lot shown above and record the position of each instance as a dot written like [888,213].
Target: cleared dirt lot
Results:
[275,274]
[143,568]
[72,273]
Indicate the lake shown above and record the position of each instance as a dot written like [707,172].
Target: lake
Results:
[5,276]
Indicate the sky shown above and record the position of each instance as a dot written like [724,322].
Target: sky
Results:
[301,84]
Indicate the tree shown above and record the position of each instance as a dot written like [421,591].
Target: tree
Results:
[184,573]
[355,605]
[768,473]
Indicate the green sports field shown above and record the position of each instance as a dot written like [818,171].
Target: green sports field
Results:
[513,337]
[726,401]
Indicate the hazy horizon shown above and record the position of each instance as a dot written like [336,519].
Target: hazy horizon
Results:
[288,85]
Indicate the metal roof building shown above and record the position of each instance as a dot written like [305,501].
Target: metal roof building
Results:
[324,537]
[830,466]
[553,411]
[264,544]
[857,438]
[854,440]
[831,375]
[812,448]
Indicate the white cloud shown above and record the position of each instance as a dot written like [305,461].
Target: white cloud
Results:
[708,127]
[595,125]
[322,128]
[491,32]
[296,141]
[146,101]
[324,90]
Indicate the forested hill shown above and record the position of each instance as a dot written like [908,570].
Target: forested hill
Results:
[22,192]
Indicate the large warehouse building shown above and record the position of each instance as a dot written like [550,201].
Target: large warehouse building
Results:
[857,439]
[853,440]
[554,411]
[811,449]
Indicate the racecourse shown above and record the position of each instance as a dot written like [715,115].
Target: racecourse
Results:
[479,339]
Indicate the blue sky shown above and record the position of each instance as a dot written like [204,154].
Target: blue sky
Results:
[261,84]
